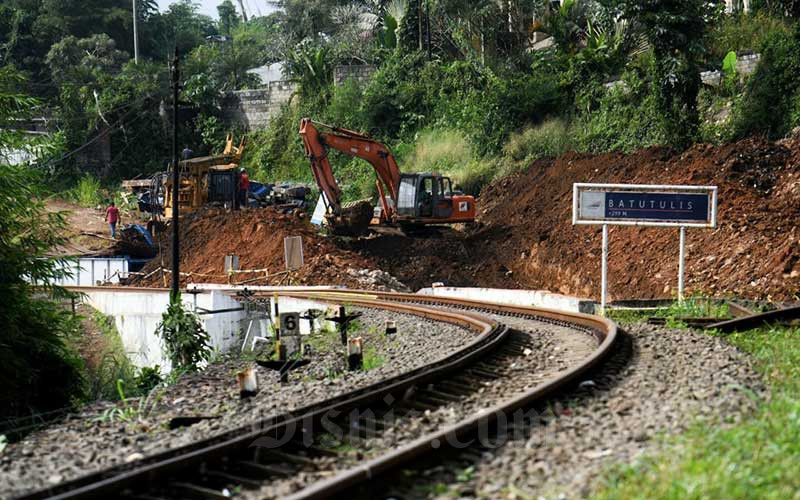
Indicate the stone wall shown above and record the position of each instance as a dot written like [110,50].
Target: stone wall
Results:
[96,156]
[254,108]
[358,72]
[745,65]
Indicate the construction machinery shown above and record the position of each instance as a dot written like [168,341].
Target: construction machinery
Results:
[407,200]
[204,179]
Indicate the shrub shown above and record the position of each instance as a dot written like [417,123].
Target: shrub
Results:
[770,103]
[88,192]
[38,371]
[742,33]
[626,118]
[185,339]
[548,139]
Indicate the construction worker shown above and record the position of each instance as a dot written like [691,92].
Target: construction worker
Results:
[244,187]
[112,216]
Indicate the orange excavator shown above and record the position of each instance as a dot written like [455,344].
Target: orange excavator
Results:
[407,200]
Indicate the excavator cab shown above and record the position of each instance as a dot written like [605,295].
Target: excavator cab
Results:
[429,197]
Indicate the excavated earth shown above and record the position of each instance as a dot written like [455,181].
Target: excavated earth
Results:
[524,237]
[90,441]
[257,237]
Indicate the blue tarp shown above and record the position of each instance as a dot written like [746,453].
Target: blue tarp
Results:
[144,232]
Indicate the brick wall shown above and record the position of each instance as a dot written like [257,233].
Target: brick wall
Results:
[358,72]
[254,108]
[745,65]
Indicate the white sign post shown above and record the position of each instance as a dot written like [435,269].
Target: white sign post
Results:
[293,252]
[643,205]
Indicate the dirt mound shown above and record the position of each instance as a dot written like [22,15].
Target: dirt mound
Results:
[525,237]
[256,236]
[754,252]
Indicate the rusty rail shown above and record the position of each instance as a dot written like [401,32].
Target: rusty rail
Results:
[111,482]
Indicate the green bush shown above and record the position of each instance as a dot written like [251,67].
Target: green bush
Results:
[185,339]
[770,103]
[39,372]
[548,139]
[626,119]
[741,33]
[88,192]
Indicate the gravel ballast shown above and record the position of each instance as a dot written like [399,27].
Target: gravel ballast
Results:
[659,381]
[82,444]
[549,349]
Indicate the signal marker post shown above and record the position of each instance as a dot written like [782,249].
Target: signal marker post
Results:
[643,205]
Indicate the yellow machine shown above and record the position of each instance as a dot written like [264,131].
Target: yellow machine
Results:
[205,179]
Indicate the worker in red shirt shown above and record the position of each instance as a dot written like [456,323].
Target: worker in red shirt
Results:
[112,216]
[244,186]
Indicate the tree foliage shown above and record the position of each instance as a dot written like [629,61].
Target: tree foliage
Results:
[676,31]
[185,339]
[38,372]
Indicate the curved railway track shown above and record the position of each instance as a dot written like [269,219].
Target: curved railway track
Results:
[285,449]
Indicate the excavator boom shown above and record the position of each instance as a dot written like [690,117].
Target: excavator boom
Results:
[426,198]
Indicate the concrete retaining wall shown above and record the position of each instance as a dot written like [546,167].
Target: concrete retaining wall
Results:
[536,298]
[361,73]
[253,109]
[137,312]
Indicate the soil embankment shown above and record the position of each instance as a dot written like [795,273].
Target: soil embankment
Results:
[256,236]
[525,237]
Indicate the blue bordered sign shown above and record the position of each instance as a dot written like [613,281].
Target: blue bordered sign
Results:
[644,205]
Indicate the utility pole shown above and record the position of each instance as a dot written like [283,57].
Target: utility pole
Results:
[428,26]
[176,178]
[244,13]
[135,35]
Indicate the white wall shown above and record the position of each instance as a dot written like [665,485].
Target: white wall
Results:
[137,312]
[536,298]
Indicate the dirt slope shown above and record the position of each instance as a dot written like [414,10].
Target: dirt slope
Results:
[525,237]
[256,236]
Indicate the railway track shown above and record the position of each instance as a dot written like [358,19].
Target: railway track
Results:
[308,452]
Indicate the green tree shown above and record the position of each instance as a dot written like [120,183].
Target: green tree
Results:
[228,18]
[676,31]
[38,372]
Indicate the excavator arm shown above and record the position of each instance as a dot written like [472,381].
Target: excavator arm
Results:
[354,144]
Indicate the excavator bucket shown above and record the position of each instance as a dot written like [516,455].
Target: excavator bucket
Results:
[354,219]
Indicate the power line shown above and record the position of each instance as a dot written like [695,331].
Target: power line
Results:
[102,134]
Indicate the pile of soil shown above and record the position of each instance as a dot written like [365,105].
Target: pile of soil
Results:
[524,237]
[256,236]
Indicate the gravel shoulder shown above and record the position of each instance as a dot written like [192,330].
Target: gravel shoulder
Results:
[82,444]
[658,383]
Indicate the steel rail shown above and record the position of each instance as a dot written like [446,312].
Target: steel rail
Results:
[607,334]
[109,482]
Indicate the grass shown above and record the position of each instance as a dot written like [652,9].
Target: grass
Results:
[105,358]
[89,192]
[692,307]
[756,458]
[371,359]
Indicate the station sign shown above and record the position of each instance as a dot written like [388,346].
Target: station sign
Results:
[644,205]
